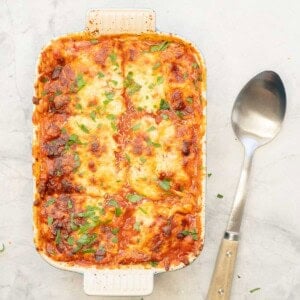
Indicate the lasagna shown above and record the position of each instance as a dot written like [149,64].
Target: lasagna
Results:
[118,151]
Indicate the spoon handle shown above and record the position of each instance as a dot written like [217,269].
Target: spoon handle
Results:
[220,285]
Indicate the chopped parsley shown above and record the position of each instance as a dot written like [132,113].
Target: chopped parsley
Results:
[115,240]
[192,233]
[114,82]
[113,59]
[94,41]
[195,66]
[58,237]
[151,143]
[163,104]
[80,82]
[137,226]
[114,126]
[50,201]
[111,117]
[49,220]
[156,66]
[83,128]
[220,196]
[131,85]
[70,240]
[89,250]
[93,115]
[100,75]
[70,204]
[143,159]
[189,99]
[153,263]
[133,198]
[164,184]
[136,127]
[109,97]
[115,204]
[159,80]
[64,130]
[151,128]
[165,117]
[179,113]
[73,139]
[78,106]
[127,157]
[115,230]
[143,210]
[254,290]
[87,239]
[159,47]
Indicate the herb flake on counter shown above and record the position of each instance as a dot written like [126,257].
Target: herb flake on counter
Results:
[220,196]
[2,249]
[209,175]
[254,290]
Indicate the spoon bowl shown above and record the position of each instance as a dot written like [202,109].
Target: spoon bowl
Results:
[259,109]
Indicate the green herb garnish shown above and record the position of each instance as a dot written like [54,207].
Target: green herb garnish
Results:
[189,99]
[93,115]
[113,59]
[195,66]
[151,143]
[164,184]
[159,47]
[165,117]
[100,75]
[94,41]
[254,290]
[133,198]
[159,80]
[131,85]
[143,159]
[70,240]
[49,220]
[156,66]
[50,201]
[151,128]
[78,106]
[127,157]
[136,127]
[87,239]
[83,128]
[153,263]
[58,237]
[115,240]
[163,104]
[192,233]
[111,117]
[115,230]
[80,82]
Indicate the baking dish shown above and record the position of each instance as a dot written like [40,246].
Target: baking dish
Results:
[137,280]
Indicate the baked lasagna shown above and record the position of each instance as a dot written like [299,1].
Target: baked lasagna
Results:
[118,151]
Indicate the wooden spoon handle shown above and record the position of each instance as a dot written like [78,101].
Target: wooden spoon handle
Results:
[220,285]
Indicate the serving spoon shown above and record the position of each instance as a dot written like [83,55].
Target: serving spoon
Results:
[257,115]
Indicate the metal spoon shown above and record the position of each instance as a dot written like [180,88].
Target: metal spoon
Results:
[257,115]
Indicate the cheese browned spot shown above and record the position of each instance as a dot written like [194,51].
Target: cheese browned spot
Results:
[117,149]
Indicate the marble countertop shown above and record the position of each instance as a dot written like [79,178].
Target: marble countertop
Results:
[238,39]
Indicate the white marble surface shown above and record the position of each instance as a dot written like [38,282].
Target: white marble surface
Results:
[238,40]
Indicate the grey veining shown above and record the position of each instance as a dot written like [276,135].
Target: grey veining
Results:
[238,39]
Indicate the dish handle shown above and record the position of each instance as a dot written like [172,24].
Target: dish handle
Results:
[118,282]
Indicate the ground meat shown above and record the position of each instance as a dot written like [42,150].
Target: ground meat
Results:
[186,145]
[177,100]
[101,55]
[52,131]
[35,100]
[60,102]
[56,72]
[177,74]
[54,147]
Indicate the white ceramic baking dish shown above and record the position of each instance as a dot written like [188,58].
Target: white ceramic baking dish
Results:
[127,281]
